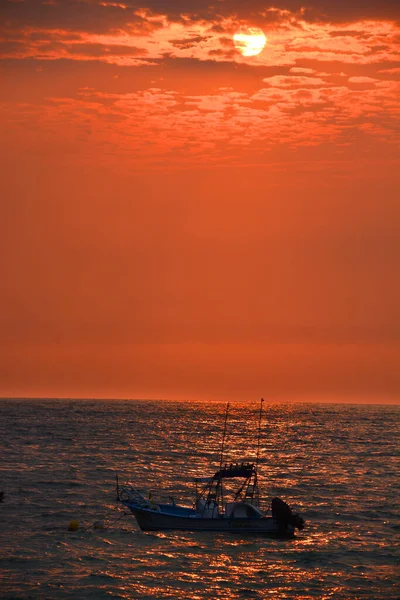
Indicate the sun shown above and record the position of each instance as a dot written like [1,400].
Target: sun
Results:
[250,41]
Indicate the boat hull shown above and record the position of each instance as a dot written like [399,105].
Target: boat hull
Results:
[152,520]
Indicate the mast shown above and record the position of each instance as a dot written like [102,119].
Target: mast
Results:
[259,433]
[223,437]
[256,491]
[219,489]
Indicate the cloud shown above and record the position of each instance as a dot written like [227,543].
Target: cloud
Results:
[317,82]
[286,44]
[189,43]
[106,15]
[75,15]
[251,201]
[363,79]
[292,111]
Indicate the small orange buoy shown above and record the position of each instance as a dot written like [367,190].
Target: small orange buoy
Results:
[73,525]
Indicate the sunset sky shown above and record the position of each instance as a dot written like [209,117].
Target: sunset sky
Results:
[179,220]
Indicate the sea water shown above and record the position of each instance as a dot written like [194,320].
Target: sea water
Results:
[335,464]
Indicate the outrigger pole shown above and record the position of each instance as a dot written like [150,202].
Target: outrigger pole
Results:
[223,437]
[259,432]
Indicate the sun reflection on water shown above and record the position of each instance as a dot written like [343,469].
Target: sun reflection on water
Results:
[341,478]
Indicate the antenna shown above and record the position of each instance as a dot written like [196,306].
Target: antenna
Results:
[259,432]
[223,437]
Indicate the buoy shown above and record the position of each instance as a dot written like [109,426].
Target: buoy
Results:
[98,525]
[73,525]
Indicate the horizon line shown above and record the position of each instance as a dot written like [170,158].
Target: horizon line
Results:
[275,400]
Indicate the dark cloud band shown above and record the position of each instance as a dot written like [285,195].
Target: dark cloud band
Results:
[108,15]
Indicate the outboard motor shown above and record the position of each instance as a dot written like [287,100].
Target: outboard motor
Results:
[283,515]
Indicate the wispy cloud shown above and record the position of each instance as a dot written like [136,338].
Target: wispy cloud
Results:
[290,110]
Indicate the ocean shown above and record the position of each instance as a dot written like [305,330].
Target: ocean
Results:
[336,464]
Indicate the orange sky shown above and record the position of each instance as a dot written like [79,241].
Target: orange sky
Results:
[181,221]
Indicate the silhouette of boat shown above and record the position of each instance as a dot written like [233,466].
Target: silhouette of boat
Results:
[229,500]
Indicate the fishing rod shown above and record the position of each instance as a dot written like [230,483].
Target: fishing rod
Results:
[259,432]
[223,437]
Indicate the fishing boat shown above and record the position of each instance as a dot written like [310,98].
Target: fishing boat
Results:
[227,501]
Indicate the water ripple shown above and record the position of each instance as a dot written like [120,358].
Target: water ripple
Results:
[337,464]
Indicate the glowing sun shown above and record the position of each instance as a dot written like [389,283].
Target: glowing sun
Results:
[250,41]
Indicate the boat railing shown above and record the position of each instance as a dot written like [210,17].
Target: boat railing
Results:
[131,494]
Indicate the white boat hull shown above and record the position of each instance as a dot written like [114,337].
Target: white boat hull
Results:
[154,520]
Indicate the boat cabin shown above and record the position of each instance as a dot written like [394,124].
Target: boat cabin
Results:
[219,497]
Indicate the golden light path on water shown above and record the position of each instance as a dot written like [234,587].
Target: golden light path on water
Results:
[334,464]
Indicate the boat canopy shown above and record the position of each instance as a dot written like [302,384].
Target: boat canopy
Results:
[236,470]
